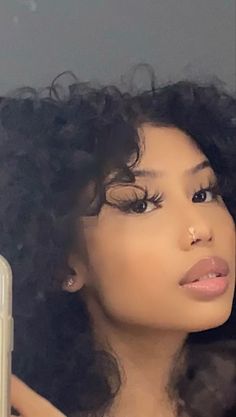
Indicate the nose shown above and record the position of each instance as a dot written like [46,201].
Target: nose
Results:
[203,232]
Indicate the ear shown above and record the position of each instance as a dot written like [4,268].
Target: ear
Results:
[76,280]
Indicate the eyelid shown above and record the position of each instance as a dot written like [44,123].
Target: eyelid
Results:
[128,192]
[212,184]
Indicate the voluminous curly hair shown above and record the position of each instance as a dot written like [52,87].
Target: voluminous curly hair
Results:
[51,149]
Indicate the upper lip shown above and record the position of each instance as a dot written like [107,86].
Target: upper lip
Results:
[213,264]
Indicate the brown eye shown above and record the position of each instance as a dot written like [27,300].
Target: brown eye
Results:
[201,197]
[212,190]
[134,199]
[140,207]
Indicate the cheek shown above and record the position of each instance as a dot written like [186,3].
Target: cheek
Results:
[130,272]
[225,227]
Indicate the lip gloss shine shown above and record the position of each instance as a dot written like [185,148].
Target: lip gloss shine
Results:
[208,288]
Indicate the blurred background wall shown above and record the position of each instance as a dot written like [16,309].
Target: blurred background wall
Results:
[102,39]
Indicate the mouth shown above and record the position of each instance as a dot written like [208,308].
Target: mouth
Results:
[205,269]
[211,275]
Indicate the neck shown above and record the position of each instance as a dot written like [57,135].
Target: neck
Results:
[146,358]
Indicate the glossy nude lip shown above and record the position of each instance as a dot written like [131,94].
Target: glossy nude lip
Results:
[208,288]
[210,265]
[207,279]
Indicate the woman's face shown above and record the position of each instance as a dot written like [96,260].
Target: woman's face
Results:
[138,257]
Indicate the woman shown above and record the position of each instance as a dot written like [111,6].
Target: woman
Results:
[28,403]
[113,203]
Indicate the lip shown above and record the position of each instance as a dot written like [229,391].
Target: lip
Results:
[213,264]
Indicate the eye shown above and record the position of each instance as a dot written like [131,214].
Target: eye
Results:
[136,204]
[212,192]
[142,206]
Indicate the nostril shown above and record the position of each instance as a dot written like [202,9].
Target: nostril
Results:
[195,241]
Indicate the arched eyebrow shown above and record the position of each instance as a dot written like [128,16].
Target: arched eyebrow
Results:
[151,173]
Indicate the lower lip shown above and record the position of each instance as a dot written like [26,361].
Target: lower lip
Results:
[208,288]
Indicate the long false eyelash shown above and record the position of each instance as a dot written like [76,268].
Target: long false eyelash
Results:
[157,198]
[126,204]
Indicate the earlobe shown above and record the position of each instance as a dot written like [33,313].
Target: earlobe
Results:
[73,284]
[76,280]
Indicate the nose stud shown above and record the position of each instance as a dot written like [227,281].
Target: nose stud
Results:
[192,233]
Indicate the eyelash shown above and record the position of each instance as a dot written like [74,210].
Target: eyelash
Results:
[126,206]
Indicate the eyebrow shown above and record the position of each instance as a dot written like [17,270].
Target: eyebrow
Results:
[151,173]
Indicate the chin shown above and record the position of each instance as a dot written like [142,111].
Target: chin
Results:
[210,318]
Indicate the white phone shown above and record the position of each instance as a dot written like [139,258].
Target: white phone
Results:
[6,336]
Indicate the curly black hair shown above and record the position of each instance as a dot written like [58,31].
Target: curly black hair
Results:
[51,148]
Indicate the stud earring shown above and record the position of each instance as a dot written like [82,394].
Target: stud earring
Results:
[70,283]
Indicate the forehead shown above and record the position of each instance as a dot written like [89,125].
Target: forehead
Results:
[168,148]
